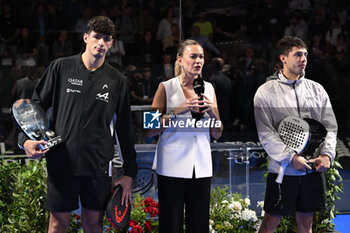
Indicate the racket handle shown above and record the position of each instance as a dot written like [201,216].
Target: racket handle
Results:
[312,165]
[279,178]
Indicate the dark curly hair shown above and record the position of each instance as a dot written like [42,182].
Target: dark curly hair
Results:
[286,44]
[101,25]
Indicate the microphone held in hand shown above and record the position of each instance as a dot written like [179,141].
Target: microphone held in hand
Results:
[198,86]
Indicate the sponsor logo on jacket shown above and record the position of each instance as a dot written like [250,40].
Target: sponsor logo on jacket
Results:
[103,96]
[74,81]
[73,91]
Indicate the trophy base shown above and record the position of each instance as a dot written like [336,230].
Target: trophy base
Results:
[51,142]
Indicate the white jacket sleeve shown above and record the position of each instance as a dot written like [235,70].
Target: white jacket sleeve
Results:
[330,123]
[267,133]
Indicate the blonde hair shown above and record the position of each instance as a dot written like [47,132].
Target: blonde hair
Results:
[180,53]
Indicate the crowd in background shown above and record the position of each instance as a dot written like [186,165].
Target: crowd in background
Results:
[238,37]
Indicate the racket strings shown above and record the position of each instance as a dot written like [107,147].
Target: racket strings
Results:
[293,135]
[144,180]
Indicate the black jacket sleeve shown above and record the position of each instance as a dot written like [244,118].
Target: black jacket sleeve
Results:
[125,132]
[42,94]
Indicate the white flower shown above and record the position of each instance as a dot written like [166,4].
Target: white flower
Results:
[235,206]
[247,201]
[248,215]
[262,213]
[211,230]
[228,224]
[211,222]
[260,204]
[257,225]
[224,202]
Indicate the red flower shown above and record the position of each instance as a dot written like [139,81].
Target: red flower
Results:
[148,225]
[132,223]
[77,217]
[136,229]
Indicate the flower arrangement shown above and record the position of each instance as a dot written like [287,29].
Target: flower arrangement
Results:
[75,223]
[143,217]
[230,213]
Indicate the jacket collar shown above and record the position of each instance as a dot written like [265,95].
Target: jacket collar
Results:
[281,78]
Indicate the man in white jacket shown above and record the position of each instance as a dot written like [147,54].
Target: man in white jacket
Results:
[289,93]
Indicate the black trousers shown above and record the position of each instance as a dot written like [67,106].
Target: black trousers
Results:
[176,193]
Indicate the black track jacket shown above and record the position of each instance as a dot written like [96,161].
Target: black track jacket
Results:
[84,104]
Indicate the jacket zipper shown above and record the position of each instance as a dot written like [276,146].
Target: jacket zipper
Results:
[296,97]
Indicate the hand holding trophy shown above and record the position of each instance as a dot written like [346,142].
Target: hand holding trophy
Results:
[31,120]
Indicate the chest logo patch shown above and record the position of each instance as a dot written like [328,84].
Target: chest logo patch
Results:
[103,97]
[74,81]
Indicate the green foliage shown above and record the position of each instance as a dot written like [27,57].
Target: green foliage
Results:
[7,172]
[26,195]
[323,219]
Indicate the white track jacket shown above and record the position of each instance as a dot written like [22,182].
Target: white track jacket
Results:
[279,98]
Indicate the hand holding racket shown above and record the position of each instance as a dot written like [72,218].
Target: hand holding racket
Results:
[117,213]
[322,163]
[304,136]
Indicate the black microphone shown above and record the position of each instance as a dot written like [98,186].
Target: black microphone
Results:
[198,86]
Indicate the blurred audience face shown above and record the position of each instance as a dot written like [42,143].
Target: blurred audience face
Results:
[148,35]
[87,13]
[167,58]
[147,74]
[128,10]
[25,32]
[170,13]
[195,31]
[63,35]
[40,9]
[202,16]
[174,29]
[249,53]
[6,11]
[228,10]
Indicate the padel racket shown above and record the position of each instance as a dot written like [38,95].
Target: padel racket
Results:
[144,180]
[304,136]
[117,213]
[30,118]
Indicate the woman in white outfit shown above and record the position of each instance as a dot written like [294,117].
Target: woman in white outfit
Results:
[183,156]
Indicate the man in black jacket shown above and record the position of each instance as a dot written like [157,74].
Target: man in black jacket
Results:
[89,101]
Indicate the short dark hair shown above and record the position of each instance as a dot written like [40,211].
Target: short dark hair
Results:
[285,45]
[216,64]
[101,25]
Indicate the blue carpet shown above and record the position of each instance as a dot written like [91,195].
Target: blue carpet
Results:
[342,223]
